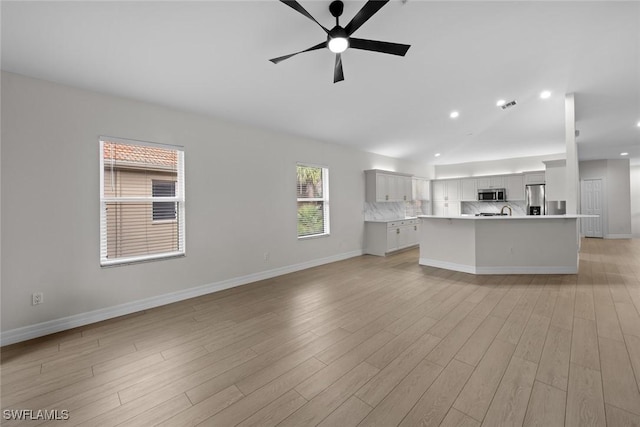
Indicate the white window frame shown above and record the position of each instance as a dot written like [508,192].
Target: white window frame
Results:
[179,199]
[324,199]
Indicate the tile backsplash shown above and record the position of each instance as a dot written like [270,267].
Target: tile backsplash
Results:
[472,208]
[389,211]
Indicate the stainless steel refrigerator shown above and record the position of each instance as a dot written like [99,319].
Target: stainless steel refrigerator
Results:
[535,197]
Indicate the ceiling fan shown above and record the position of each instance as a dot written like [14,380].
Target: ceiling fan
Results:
[339,38]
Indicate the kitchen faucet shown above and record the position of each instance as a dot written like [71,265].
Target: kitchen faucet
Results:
[508,207]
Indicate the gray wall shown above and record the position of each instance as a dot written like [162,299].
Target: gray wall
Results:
[240,201]
[635,199]
[617,186]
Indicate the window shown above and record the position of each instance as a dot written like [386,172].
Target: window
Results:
[141,201]
[163,210]
[313,200]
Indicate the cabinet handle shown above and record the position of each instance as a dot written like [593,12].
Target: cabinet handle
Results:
[415,227]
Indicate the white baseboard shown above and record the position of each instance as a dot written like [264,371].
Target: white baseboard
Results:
[618,236]
[57,325]
[472,269]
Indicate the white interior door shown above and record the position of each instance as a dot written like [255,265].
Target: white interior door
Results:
[591,197]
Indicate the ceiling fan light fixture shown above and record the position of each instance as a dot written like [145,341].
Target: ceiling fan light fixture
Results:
[338,44]
[338,41]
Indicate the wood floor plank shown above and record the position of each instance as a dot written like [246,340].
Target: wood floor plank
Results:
[393,408]
[628,318]
[434,404]
[546,406]
[349,414]
[456,418]
[618,381]
[324,378]
[509,404]
[585,402]
[584,344]
[475,347]
[532,341]
[620,418]
[584,306]
[476,396]
[331,398]
[400,343]
[553,368]
[391,375]
[252,403]
[276,411]
[633,347]
[606,316]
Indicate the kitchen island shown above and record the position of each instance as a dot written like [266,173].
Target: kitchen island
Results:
[546,244]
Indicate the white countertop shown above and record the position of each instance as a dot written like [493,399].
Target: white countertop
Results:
[506,217]
[392,220]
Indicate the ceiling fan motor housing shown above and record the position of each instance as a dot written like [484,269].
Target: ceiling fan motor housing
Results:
[336,7]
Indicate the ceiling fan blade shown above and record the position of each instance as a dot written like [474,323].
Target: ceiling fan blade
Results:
[338,75]
[378,46]
[282,58]
[367,11]
[298,7]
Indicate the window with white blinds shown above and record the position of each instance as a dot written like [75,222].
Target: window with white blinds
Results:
[141,201]
[313,200]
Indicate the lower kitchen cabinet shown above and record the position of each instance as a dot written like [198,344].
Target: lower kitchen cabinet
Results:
[380,238]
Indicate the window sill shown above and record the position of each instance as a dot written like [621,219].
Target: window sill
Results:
[139,259]
[314,236]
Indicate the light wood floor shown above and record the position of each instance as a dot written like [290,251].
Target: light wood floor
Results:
[367,341]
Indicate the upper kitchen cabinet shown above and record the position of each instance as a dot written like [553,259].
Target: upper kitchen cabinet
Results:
[515,187]
[469,189]
[446,190]
[420,188]
[534,178]
[385,186]
[490,182]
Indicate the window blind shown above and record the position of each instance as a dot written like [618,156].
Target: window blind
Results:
[141,201]
[312,187]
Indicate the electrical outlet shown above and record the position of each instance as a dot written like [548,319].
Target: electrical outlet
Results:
[266,257]
[37,298]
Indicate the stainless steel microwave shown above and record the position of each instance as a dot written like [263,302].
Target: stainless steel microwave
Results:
[492,195]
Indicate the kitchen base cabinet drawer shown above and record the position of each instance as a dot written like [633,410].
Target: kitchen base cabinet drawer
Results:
[382,238]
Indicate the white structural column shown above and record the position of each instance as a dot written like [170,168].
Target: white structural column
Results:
[573,178]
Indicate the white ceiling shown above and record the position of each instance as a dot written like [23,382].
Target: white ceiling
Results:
[211,57]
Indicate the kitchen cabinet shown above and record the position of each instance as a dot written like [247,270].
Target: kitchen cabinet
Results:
[384,237]
[385,186]
[420,188]
[442,208]
[534,178]
[446,190]
[487,182]
[515,187]
[469,189]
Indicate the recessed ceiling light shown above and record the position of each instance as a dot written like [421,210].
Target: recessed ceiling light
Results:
[624,154]
[436,155]
[454,114]
[500,103]
[638,124]
[545,94]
